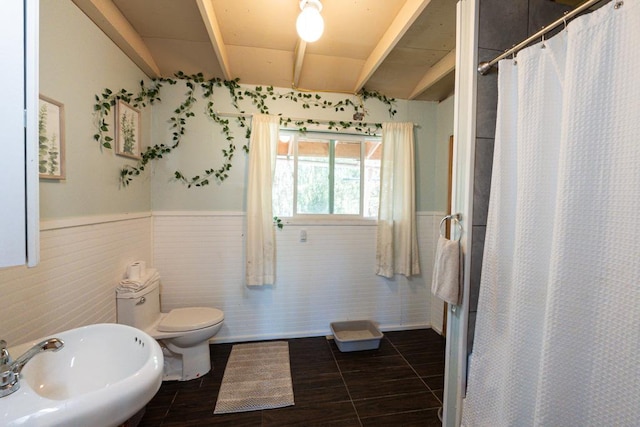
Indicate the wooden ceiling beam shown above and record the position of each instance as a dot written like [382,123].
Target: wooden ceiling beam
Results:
[401,23]
[215,36]
[301,47]
[109,19]
[439,70]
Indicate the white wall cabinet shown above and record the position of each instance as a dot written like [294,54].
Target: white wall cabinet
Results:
[19,215]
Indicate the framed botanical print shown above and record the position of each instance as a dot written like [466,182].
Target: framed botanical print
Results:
[51,162]
[127,130]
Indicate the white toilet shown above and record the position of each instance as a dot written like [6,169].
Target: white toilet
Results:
[183,333]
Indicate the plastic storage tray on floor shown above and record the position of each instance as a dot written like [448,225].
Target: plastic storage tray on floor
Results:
[356,335]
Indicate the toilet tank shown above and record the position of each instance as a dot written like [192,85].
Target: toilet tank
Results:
[139,309]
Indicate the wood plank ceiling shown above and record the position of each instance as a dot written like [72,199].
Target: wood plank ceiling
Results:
[401,48]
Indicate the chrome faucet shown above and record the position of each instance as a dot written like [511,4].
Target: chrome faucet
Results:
[10,370]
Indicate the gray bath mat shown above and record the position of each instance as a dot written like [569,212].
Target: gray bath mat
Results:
[257,376]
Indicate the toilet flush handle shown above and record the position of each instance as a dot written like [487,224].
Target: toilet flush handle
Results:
[141,301]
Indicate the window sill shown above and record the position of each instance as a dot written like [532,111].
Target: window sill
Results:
[328,221]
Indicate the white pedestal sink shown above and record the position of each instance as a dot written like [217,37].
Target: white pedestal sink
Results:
[103,375]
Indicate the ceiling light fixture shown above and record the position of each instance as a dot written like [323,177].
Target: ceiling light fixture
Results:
[310,24]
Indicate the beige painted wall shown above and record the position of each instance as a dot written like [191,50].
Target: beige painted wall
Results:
[201,147]
[77,61]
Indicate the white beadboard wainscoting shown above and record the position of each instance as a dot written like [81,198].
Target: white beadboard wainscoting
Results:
[330,277]
[200,257]
[82,260]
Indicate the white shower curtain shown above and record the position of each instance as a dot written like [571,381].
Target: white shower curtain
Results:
[396,241]
[557,338]
[261,240]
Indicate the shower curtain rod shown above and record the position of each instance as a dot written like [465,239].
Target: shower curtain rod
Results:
[484,67]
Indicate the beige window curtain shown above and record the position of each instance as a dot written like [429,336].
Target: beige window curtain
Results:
[261,245]
[397,243]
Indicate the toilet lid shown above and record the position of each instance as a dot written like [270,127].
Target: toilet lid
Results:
[188,319]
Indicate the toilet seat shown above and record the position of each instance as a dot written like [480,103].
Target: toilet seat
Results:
[190,318]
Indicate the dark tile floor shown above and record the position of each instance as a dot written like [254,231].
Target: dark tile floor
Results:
[399,384]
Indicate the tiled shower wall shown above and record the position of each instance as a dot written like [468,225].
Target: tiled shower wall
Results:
[502,24]
[328,278]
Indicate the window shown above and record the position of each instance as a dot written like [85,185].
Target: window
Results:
[326,174]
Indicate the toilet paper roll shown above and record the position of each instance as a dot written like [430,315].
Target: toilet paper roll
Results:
[136,270]
[143,268]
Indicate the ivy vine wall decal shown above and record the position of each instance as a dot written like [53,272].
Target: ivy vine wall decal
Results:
[198,86]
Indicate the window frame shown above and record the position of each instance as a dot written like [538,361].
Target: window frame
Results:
[332,138]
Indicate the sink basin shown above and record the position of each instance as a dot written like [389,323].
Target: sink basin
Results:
[104,374]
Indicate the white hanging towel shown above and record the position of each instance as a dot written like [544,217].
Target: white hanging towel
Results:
[446,271]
